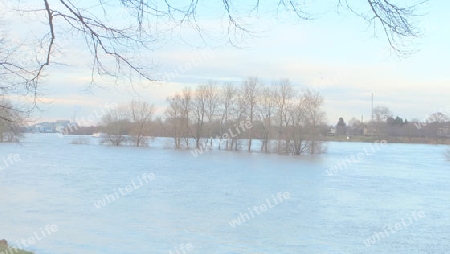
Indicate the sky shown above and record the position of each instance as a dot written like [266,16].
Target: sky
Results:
[336,54]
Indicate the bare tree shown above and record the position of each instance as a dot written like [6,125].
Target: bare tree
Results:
[199,110]
[186,106]
[266,112]
[239,110]
[117,126]
[227,98]
[141,115]
[11,119]
[175,119]
[250,91]
[212,101]
[314,117]
[300,126]
[395,20]
[284,95]
[16,77]
[381,114]
[438,117]
[437,123]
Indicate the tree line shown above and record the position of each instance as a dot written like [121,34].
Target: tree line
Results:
[434,127]
[283,118]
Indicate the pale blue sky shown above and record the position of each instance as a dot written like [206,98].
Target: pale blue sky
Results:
[337,52]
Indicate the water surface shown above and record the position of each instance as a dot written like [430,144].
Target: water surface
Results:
[193,200]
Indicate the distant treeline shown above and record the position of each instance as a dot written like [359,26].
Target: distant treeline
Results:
[252,110]
[291,118]
[432,133]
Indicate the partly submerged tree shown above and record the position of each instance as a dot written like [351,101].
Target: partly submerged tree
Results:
[284,103]
[302,121]
[250,90]
[199,112]
[141,114]
[266,112]
[117,126]
[227,98]
[314,117]
[175,119]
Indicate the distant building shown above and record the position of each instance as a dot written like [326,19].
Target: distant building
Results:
[53,127]
[45,127]
[444,132]
[332,132]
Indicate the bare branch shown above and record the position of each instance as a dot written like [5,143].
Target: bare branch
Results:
[35,79]
[395,21]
